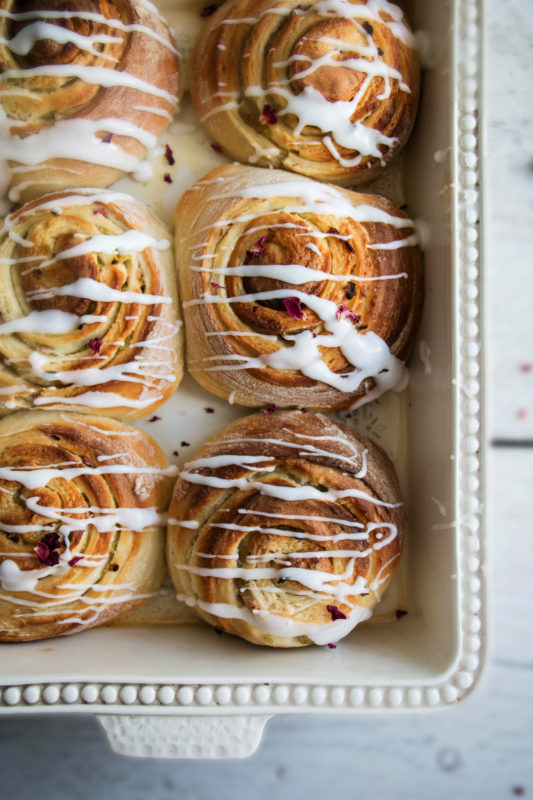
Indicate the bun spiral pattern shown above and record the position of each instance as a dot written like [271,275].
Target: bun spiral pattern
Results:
[87,85]
[294,292]
[285,534]
[325,88]
[81,522]
[88,306]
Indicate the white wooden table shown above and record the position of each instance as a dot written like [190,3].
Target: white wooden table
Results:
[480,750]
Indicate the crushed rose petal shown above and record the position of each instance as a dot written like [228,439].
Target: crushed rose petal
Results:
[343,312]
[258,247]
[55,436]
[169,155]
[175,453]
[107,138]
[332,646]
[293,307]
[270,409]
[95,345]
[217,148]
[167,178]
[185,444]
[400,613]
[74,561]
[268,116]
[336,613]
[154,418]
[207,11]
[216,285]
[209,410]
[525,367]
[101,211]
[46,549]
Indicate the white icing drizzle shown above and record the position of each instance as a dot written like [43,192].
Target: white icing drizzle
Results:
[90,289]
[39,477]
[277,625]
[368,354]
[89,16]
[101,76]
[334,118]
[51,321]
[277,565]
[68,138]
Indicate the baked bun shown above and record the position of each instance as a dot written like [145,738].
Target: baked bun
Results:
[87,85]
[326,88]
[89,317]
[285,530]
[81,522]
[294,292]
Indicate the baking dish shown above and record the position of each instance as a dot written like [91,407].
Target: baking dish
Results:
[180,690]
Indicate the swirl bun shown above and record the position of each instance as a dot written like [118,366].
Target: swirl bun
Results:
[326,88]
[286,536]
[87,85]
[88,306]
[294,292]
[81,537]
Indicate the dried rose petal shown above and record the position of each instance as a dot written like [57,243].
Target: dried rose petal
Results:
[303,410]
[101,211]
[268,115]
[185,444]
[207,11]
[294,307]
[522,413]
[217,148]
[55,436]
[169,155]
[216,285]
[167,178]
[73,561]
[95,345]
[270,409]
[46,549]
[154,418]
[209,410]
[332,646]
[175,453]
[400,613]
[343,312]
[525,367]
[107,138]
[258,247]
[336,613]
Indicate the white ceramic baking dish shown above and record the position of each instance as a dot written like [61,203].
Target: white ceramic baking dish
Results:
[178,689]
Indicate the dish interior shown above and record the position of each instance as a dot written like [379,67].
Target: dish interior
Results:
[163,643]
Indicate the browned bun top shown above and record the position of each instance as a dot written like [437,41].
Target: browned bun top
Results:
[308,506]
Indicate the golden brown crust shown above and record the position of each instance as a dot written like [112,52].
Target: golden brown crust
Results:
[227,514]
[226,218]
[326,90]
[118,358]
[101,468]
[135,43]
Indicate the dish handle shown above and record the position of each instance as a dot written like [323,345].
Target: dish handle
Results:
[183,737]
